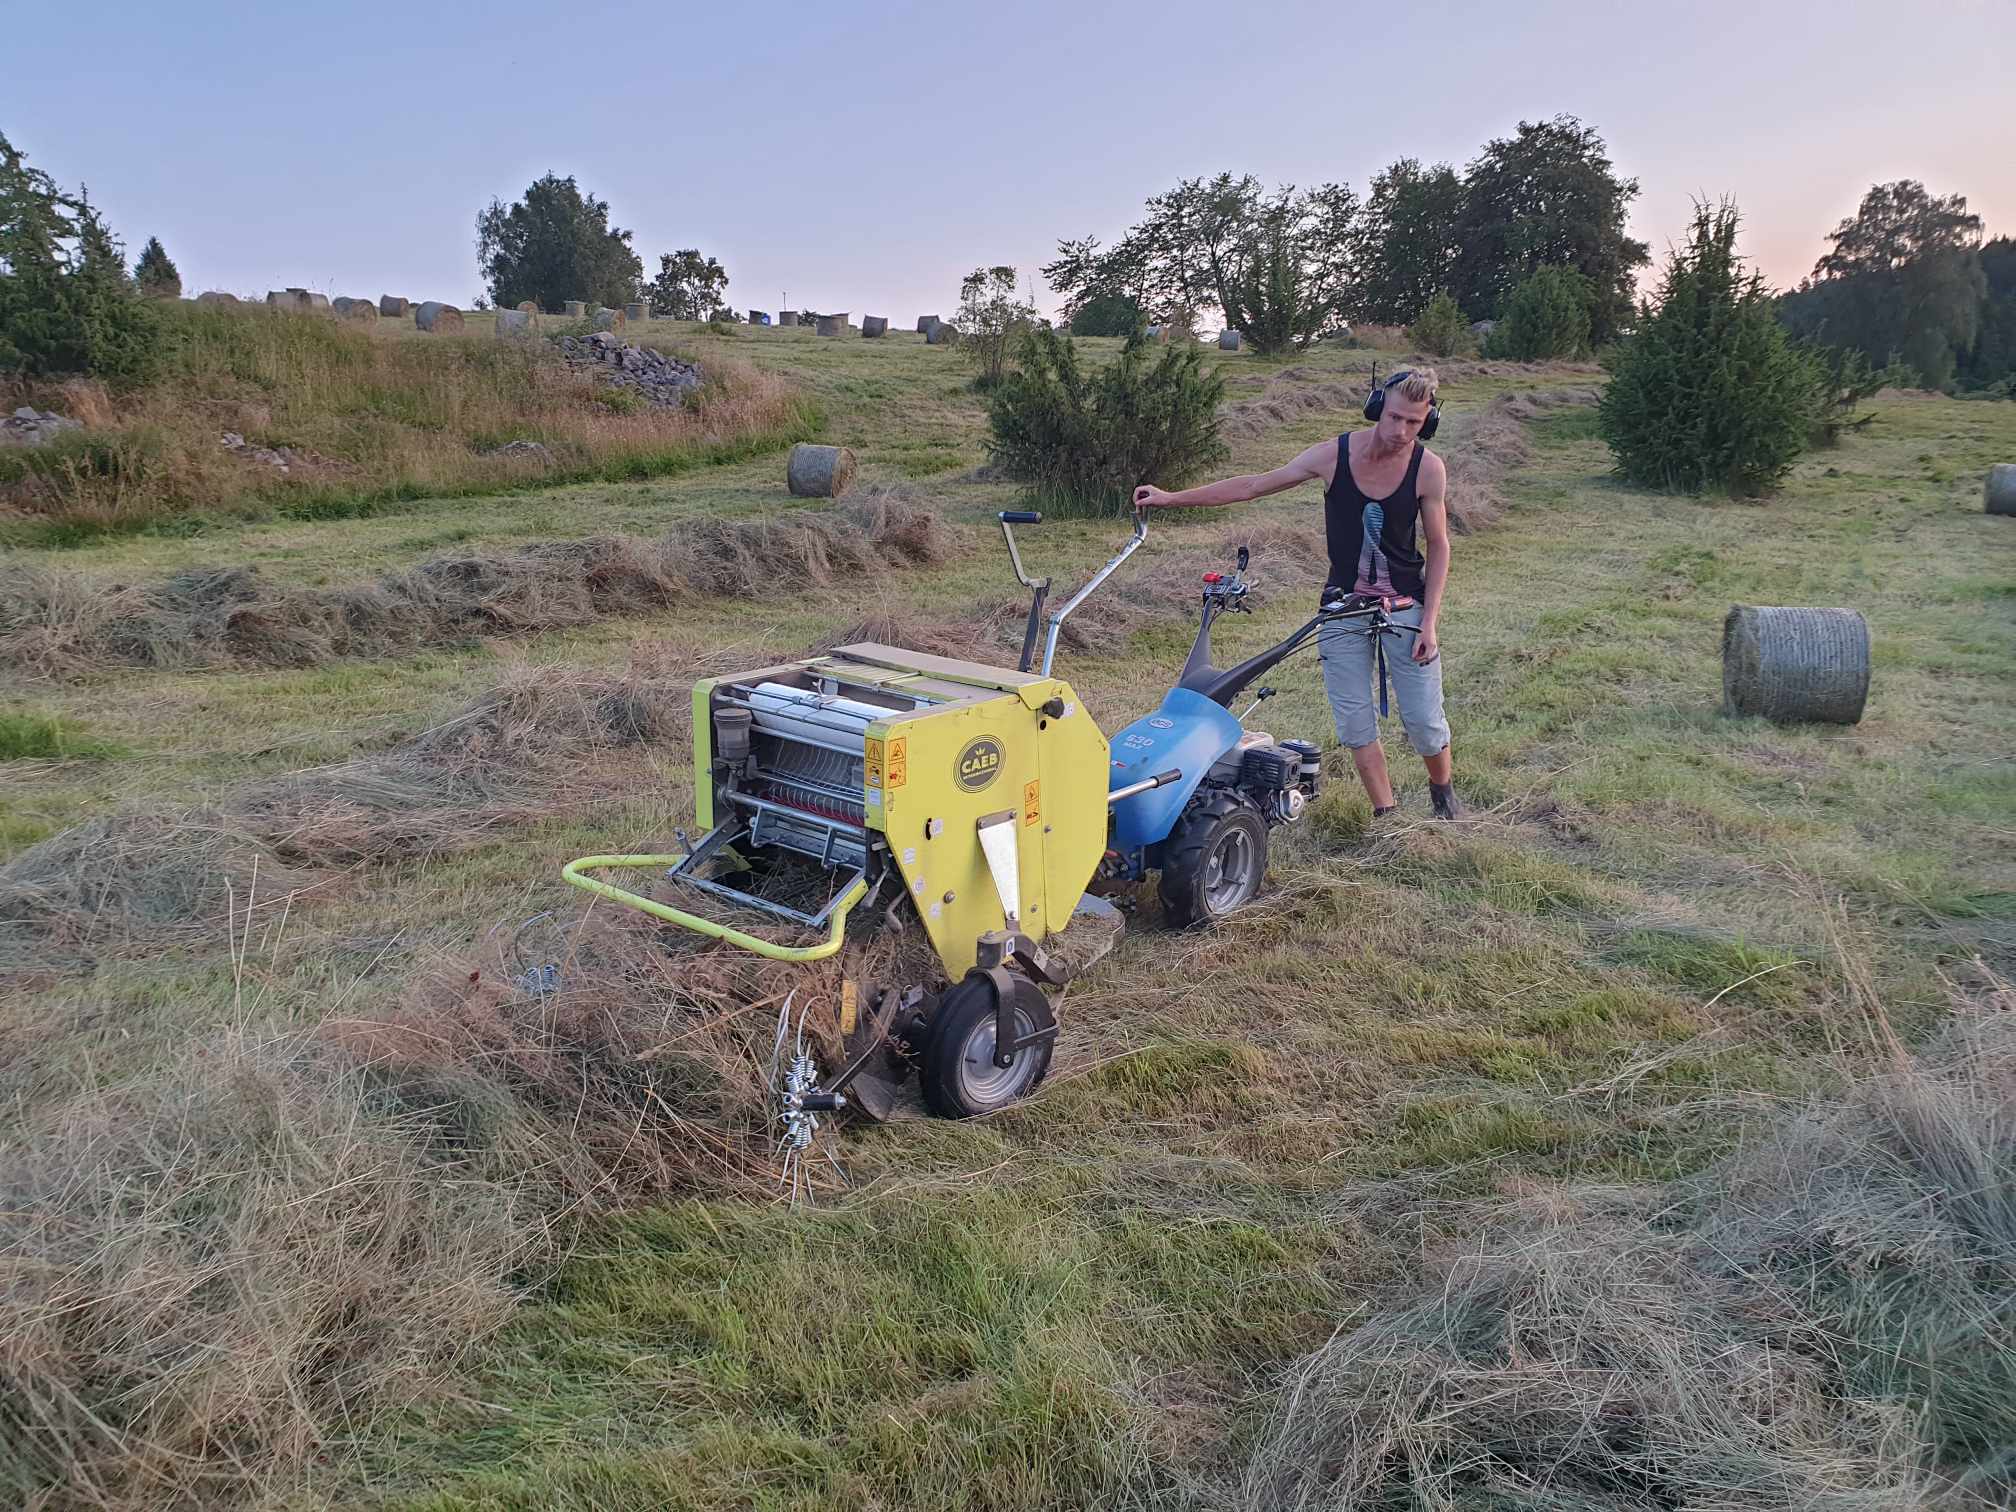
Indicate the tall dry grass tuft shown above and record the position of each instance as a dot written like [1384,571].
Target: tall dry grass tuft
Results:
[1826,1321]
[367,416]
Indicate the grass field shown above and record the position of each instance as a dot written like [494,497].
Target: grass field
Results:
[1663,931]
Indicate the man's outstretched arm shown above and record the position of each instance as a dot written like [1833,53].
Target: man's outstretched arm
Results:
[1310,464]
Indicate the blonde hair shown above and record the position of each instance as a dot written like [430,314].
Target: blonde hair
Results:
[1418,385]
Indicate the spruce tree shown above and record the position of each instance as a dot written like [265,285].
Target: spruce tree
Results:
[155,273]
[1710,393]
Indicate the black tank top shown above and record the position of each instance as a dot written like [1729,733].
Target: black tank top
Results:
[1371,541]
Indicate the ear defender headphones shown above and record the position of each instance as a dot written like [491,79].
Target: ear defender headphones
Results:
[1375,404]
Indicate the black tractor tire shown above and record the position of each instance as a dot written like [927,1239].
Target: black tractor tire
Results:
[955,1068]
[1214,860]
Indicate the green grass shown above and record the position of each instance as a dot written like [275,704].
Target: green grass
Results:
[1662,916]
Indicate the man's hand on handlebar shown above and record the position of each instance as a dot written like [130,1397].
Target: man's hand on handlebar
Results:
[1148,496]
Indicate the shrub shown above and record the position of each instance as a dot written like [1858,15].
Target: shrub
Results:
[1106,315]
[991,319]
[1440,330]
[1710,393]
[1085,441]
[67,305]
[1546,317]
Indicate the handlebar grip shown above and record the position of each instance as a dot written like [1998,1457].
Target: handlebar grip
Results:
[1020,517]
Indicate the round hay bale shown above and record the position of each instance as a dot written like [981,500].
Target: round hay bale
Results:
[637,310]
[577,309]
[873,325]
[759,317]
[787,317]
[832,325]
[2001,489]
[513,323]
[941,334]
[438,317]
[819,472]
[924,324]
[528,307]
[607,319]
[216,297]
[354,309]
[392,307]
[1228,341]
[1795,665]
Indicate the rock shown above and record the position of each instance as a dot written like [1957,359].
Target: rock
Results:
[654,376]
[216,297]
[513,323]
[1228,341]
[924,324]
[819,472]
[873,325]
[438,317]
[637,310]
[787,317]
[531,451]
[577,309]
[278,457]
[31,427]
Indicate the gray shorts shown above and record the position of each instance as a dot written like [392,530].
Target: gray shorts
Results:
[1351,678]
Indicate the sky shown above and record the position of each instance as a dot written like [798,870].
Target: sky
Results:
[866,157]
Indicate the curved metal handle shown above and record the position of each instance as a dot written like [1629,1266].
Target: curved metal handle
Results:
[1058,617]
[836,931]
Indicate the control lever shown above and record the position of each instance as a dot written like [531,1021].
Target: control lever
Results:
[1260,696]
[1245,556]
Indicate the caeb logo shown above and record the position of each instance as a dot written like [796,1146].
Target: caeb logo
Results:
[979,764]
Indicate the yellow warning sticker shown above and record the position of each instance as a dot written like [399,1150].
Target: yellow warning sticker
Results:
[871,765]
[899,762]
[1032,792]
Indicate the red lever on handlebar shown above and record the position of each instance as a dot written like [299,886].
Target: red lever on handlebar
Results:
[1214,577]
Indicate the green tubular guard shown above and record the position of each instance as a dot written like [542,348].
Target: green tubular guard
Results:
[573,869]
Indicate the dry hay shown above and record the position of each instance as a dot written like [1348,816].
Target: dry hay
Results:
[61,625]
[150,876]
[215,1269]
[1826,1321]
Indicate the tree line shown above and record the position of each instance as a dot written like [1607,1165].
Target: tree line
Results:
[556,245]
[1290,265]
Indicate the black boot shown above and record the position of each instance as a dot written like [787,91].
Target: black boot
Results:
[1442,798]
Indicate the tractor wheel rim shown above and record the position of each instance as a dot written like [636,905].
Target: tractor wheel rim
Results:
[1228,870]
[981,1080]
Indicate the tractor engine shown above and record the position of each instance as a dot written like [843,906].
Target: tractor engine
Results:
[1280,777]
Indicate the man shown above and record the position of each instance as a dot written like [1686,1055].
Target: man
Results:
[1378,485]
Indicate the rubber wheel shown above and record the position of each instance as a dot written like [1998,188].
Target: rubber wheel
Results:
[956,1070]
[1214,860]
